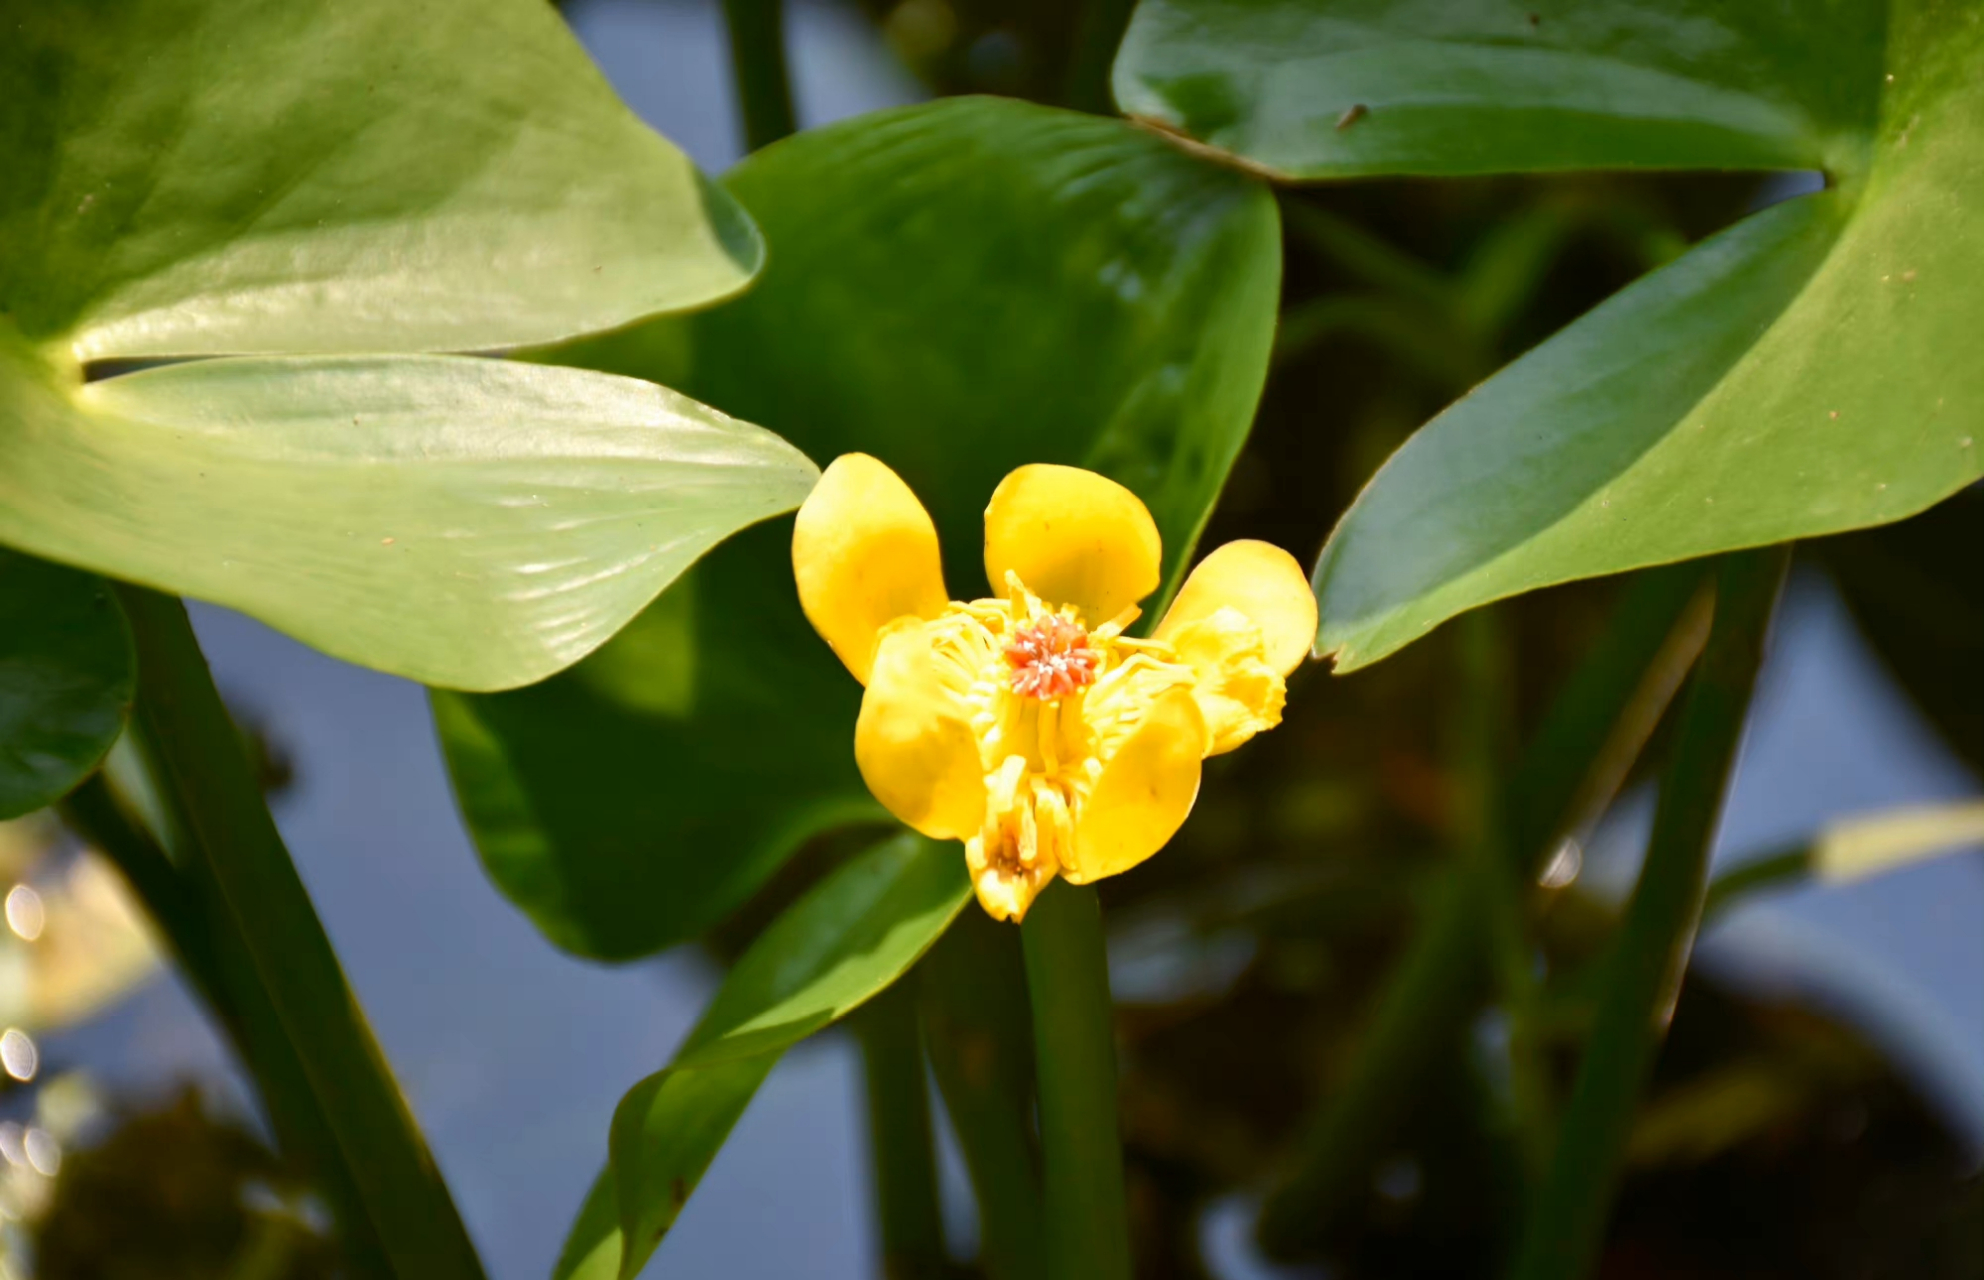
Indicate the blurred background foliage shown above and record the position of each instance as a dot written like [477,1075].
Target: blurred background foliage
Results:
[1777,1140]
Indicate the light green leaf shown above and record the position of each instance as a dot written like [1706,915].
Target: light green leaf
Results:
[1856,847]
[1309,90]
[592,1247]
[465,522]
[1813,369]
[1870,844]
[209,176]
[66,680]
[846,940]
[958,289]
[842,943]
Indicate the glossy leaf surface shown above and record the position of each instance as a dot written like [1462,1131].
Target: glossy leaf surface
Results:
[460,521]
[66,680]
[846,940]
[194,177]
[1811,370]
[1357,87]
[958,289]
[210,176]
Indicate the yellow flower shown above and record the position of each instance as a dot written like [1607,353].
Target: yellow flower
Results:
[1029,726]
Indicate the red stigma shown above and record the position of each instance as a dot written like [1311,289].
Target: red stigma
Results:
[1051,659]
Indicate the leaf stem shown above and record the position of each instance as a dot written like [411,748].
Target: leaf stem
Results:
[1784,869]
[980,1040]
[1600,717]
[215,814]
[1067,976]
[1567,1219]
[184,905]
[900,1141]
[1486,730]
[757,64]
[1425,999]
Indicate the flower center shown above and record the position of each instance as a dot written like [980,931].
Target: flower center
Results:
[1051,659]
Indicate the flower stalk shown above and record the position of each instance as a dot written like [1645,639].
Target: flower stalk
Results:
[901,1148]
[1067,976]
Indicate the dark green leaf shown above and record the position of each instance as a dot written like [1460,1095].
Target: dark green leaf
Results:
[1813,369]
[66,676]
[958,289]
[202,176]
[846,940]
[476,523]
[1309,90]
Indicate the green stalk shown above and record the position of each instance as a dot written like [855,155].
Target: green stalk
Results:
[757,64]
[1067,976]
[214,959]
[212,802]
[1785,869]
[1567,1220]
[1486,728]
[1602,716]
[899,1136]
[94,812]
[977,1032]
[1425,1000]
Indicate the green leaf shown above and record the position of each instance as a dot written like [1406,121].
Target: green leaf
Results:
[207,176]
[189,177]
[66,680]
[1309,90]
[460,521]
[958,289]
[1811,370]
[841,944]
[592,1246]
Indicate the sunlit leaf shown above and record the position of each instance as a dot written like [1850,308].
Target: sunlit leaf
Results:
[66,676]
[846,940]
[466,522]
[190,177]
[199,176]
[1865,845]
[957,289]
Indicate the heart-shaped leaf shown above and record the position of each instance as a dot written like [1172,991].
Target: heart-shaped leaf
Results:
[850,937]
[207,176]
[187,177]
[461,521]
[958,289]
[66,678]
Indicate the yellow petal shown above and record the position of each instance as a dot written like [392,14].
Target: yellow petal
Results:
[1073,537]
[1261,581]
[913,740]
[864,553]
[1239,693]
[1146,789]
